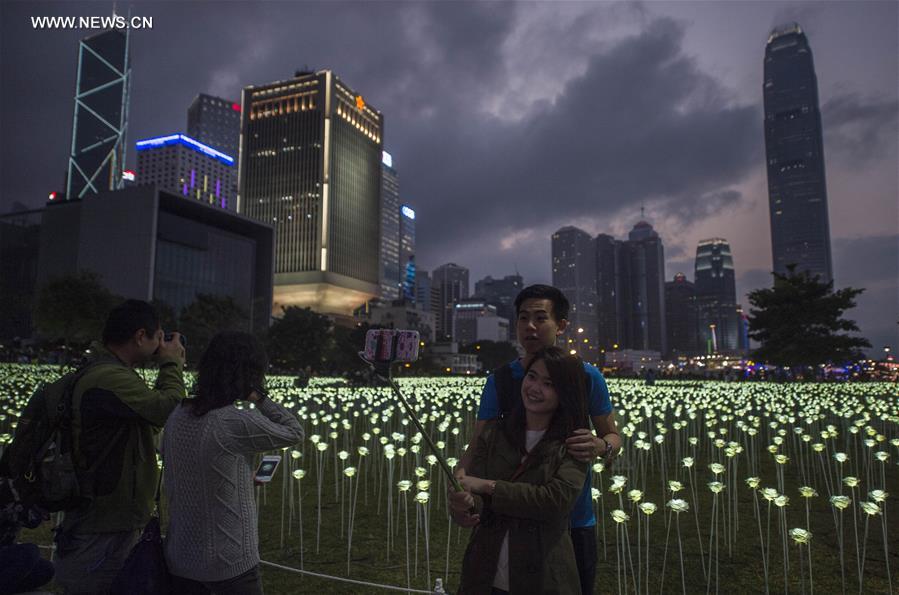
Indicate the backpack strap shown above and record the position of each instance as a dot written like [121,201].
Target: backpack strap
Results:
[507,388]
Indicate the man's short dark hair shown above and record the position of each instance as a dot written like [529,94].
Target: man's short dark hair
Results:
[126,319]
[545,292]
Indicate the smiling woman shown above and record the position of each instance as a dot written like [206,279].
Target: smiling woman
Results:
[532,485]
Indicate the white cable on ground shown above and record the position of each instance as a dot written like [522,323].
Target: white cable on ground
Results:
[324,576]
[346,580]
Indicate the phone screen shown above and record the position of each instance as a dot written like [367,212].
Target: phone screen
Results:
[267,468]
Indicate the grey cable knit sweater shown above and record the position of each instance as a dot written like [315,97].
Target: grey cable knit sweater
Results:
[213,533]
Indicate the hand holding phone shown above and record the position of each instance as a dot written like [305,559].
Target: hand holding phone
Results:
[267,468]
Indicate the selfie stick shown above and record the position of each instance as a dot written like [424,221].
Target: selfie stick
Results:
[382,369]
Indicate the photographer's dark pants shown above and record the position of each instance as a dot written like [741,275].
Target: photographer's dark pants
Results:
[584,541]
[90,562]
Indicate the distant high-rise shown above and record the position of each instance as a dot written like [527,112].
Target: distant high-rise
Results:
[450,282]
[797,192]
[643,289]
[407,252]
[680,317]
[630,282]
[609,309]
[100,123]
[501,293]
[574,273]
[182,165]
[716,297]
[423,291]
[215,122]
[476,320]
[390,270]
[310,165]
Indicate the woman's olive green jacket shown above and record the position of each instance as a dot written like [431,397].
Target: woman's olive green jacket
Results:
[533,507]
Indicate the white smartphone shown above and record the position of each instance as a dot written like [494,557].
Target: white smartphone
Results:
[267,468]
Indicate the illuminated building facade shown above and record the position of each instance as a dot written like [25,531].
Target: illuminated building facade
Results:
[794,148]
[574,272]
[310,166]
[719,323]
[100,122]
[407,253]
[184,166]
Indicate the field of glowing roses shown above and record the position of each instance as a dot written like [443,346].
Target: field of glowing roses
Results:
[748,487]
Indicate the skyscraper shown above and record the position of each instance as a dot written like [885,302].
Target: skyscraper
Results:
[630,286]
[450,283]
[407,252]
[100,122]
[501,293]
[716,297]
[390,230]
[215,122]
[182,165]
[680,317]
[310,165]
[643,289]
[797,192]
[574,273]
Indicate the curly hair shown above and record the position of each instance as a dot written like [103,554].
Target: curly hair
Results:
[230,368]
[568,377]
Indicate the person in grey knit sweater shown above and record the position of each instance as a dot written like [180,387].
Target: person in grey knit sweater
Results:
[208,451]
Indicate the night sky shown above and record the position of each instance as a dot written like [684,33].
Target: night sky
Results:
[507,121]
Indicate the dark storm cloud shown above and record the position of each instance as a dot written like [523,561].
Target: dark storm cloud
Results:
[859,128]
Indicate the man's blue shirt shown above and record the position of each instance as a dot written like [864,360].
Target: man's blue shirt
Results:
[599,403]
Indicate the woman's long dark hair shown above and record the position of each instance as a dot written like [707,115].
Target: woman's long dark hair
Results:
[568,378]
[231,367]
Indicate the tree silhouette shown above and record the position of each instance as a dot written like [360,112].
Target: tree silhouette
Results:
[799,322]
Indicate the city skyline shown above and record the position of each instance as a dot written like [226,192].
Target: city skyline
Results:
[462,84]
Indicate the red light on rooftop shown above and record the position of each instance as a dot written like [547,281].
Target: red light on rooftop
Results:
[235,107]
[52,196]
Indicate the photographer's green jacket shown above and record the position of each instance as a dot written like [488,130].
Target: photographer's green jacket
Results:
[114,409]
[533,508]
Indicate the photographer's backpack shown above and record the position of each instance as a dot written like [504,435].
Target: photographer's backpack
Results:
[39,460]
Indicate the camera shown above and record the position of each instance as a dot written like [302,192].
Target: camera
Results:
[389,345]
[169,336]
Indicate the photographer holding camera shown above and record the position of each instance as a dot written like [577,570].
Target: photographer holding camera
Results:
[116,418]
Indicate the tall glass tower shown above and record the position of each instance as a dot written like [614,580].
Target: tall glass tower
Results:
[390,230]
[100,123]
[716,297]
[310,166]
[797,192]
[574,272]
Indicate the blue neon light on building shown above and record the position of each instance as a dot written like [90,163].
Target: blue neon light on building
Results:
[183,139]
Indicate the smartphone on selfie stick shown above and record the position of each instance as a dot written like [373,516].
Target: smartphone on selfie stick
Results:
[383,347]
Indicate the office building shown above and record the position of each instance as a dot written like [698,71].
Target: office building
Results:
[176,249]
[100,122]
[574,273]
[310,166]
[609,309]
[681,317]
[390,270]
[215,122]
[475,320]
[501,293]
[794,148]
[716,297]
[450,284]
[630,282]
[401,315]
[182,165]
